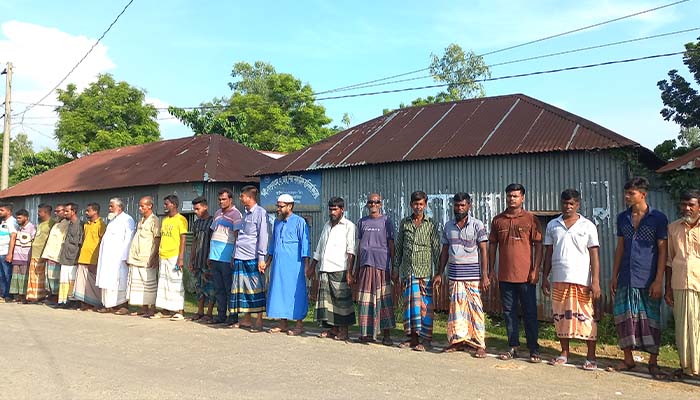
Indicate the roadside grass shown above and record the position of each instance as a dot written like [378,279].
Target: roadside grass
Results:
[607,351]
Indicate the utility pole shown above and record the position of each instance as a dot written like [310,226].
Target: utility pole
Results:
[5,172]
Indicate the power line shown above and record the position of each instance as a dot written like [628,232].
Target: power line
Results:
[559,53]
[517,45]
[30,106]
[551,71]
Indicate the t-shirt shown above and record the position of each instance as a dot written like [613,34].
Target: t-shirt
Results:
[7,228]
[639,261]
[23,244]
[92,234]
[42,235]
[515,235]
[55,240]
[374,234]
[223,238]
[170,230]
[201,232]
[571,258]
[71,244]
[463,249]
[143,245]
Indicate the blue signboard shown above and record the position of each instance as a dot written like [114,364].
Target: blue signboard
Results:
[305,187]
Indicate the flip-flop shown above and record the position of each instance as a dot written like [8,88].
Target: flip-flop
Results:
[419,347]
[590,365]
[295,331]
[509,355]
[535,357]
[480,353]
[122,311]
[327,334]
[406,345]
[158,315]
[196,317]
[177,317]
[621,367]
[277,329]
[560,360]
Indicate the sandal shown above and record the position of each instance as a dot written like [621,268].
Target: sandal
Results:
[256,329]
[136,314]
[122,311]
[327,334]
[535,357]
[157,315]
[365,340]
[103,310]
[560,360]
[387,341]
[342,337]
[206,320]
[621,367]
[295,332]
[590,365]
[177,317]
[196,317]
[419,347]
[509,355]
[406,345]
[656,372]
[452,348]
[277,329]
[679,375]
[480,353]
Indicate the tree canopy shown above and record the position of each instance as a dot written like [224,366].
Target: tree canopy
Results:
[106,115]
[681,100]
[267,110]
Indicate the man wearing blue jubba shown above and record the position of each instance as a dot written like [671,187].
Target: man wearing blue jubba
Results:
[288,257]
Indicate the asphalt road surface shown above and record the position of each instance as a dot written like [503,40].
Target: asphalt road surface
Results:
[66,354]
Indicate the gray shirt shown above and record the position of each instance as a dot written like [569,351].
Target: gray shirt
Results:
[70,250]
[253,236]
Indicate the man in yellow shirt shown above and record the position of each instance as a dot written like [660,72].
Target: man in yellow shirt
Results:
[683,282]
[86,290]
[171,291]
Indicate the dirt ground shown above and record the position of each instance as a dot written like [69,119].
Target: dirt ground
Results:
[66,354]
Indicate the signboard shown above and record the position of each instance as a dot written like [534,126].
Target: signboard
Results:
[305,187]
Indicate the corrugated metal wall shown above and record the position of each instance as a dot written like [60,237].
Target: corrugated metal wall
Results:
[599,176]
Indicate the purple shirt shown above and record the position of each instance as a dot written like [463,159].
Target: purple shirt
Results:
[374,235]
[23,244]
[253,236]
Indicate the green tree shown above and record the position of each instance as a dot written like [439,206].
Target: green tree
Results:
[213,118]
[37,163]
[106,115]
[681,100]
[669,150]
[20,145]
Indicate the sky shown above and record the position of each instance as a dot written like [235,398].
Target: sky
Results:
[181,52]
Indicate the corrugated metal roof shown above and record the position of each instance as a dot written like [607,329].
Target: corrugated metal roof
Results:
[689,160]
[201,158]
[501,125]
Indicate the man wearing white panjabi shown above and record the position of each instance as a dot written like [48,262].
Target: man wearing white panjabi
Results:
[112,271]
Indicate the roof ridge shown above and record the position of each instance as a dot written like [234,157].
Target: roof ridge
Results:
[211,165]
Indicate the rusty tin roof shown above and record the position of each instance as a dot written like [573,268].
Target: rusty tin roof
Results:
[689,160]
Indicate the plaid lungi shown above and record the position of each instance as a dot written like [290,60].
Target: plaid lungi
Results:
[67,283]
[18,284]
[572,311]
[334,306]
[53,277]
[204,285]
[466,322]
[143,286]
[36,284]
[248,288]
[637,319]
[375,301]
[86,289]
[418,307]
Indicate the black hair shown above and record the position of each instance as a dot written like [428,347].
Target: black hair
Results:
[336,202]
[690,194]
[227,192]
[22,212]
[461,196]
[7,206]
[47,208]
[515,187]
[199,200]
[638,183]
[94,207]
[172,199]
[418,195]
[73,206]
[250,191]
[571,194]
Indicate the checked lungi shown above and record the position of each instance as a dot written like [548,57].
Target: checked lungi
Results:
[418,307]
[572,311]
[637,319]
[36,283]
[375,301]
[143,286]
[86,289]
[247,288]
[466,322]
[334,306]
[66,283]
[18,284]
[53,277]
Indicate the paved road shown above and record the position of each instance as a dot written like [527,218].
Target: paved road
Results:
[64,354]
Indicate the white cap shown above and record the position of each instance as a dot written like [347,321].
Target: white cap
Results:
[285,198]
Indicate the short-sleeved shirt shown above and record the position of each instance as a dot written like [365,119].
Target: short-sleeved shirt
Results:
[515,235]
[42,235]
[223,237]
[7,228]
[639,261]
[417,248]
[463,249]
[92,232]
[684,255]
[23,244]
[201,237]
[571,257]
[71,244]
[334,246]
[143,245]
[171,230]
[374,235]
[55,240]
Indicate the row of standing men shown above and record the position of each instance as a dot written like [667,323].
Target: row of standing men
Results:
[103,267]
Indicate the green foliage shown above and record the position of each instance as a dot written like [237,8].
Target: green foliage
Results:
[106,115]
[214,121]
[33,164]
[669,150]
[681,100]
[678,181]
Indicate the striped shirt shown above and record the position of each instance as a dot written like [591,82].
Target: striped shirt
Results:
[201,236]
[463,249]
[223,236]
[417,248]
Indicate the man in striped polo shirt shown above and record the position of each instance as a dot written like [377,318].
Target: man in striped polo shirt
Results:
[465,250]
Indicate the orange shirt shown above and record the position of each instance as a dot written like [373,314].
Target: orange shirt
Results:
[684,255]
[515,235]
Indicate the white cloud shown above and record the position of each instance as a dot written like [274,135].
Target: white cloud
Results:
[41,57]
